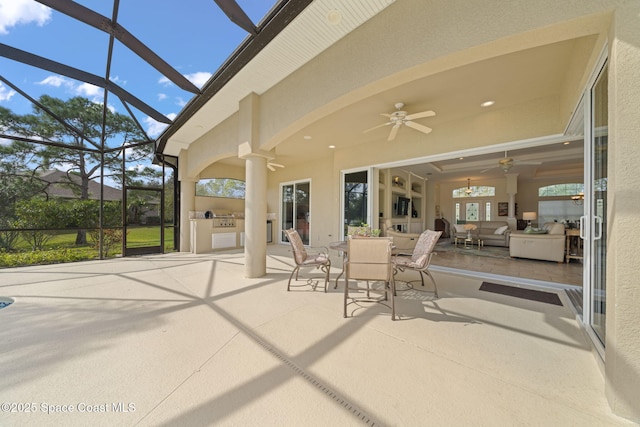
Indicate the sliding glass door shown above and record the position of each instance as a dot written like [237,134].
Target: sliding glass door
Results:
[356,199]
[296,208]
[595,220]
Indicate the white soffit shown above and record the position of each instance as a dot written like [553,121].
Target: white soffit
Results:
[304,38]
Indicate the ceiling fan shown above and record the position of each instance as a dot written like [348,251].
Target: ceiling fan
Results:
[506,163]
[272,166]
[400,117]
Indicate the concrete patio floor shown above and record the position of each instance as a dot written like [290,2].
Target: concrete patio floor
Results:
[183,339]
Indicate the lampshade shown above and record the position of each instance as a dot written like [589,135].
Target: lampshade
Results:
[529,216]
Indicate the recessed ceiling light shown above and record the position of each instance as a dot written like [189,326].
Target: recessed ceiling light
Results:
[460,158]
[566,143]
[307,137]
[334,17]
[487,104]
[332,146]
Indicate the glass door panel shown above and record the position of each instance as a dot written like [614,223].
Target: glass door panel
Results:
[295,209]
[143,221]
[356,195]
[598,206]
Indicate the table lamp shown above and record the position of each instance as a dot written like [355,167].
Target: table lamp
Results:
[529,216]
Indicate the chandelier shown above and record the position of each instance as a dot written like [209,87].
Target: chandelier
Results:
[468,191]
[578,199]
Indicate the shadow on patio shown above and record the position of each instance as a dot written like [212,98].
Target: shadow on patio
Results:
[184,339]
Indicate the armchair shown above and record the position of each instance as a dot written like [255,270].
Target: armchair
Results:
[403,242]
[369,260]
[302,258]
[420,258]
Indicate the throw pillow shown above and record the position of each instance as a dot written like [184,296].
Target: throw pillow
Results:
[459,228]
[501,230]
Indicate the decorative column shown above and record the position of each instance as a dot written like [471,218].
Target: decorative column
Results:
[512,190]
[255,202]
[187,201]
[255,216]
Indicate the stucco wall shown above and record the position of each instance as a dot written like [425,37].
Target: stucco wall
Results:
[622,363]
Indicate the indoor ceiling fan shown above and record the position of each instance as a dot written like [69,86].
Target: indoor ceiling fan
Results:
[272,166]
[507,162]
[400,117]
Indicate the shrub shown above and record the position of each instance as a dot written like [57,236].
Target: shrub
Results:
[54,256]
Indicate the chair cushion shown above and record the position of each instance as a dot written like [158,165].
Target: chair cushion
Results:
[405,261]
[424,247]
[318,259]
[299,252]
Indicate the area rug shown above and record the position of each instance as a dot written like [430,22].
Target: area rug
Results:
[530,294]
[485,251]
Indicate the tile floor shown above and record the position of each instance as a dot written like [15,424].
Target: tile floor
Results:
[183,339]
[546,271]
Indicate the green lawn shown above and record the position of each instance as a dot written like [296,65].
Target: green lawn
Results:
[61,247]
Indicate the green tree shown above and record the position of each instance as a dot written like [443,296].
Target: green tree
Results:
[89,143]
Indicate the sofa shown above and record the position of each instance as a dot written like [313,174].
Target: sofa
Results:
[549,246]
[402,242]
[492,233]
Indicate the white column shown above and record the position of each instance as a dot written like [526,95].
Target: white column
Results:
[187,203]
[255,216]
[512,190]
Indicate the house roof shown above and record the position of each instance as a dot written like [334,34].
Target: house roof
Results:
[62,186]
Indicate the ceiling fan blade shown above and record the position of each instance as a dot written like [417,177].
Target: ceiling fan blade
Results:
[275,165]
[394,131]
[271,168]
[419,127]
[421,115]
[376,127]
[518,162]
[488,169]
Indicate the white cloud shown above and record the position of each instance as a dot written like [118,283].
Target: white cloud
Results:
[5,93]
[118,80]
[165,81]
[155,128]
[89,90]
[180,102]
[199,78]
[55,81]
[15,12]
[162,96]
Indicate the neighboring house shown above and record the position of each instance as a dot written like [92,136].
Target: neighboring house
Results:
[557,72]
[139,212]
[59,188]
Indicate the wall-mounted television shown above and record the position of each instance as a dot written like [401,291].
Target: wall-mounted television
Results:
[402,207]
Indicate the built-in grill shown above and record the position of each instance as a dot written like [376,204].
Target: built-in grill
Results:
[223,219]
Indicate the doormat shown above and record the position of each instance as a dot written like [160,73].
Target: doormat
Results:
[530,294]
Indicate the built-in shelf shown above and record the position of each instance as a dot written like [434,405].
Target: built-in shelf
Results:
[396,189]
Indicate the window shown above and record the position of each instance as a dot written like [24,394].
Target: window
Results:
[487,211]
[472,212]
[221,187]
[476,191]
[570,189]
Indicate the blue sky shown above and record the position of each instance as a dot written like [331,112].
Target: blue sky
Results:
[193,36]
